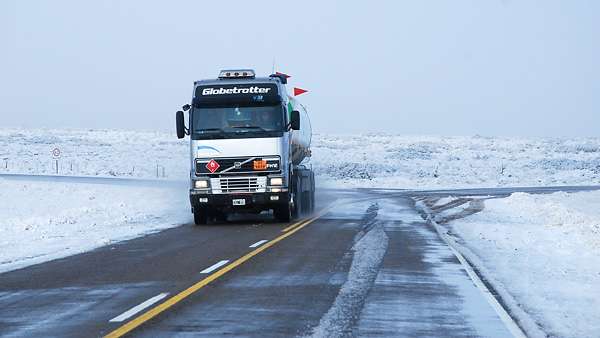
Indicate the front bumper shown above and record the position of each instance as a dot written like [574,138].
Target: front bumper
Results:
[252,201]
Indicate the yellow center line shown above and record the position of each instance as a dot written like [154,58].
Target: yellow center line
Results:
[292,226]
[155,311]
[319,214]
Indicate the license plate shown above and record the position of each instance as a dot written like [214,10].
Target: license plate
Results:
[239,201]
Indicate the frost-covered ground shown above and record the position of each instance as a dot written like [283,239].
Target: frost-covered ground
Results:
[370,160]
[455,162]
[48,220]
[110,153]
[545,251]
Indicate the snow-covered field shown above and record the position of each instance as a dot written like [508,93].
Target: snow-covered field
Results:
[455,162]
[48,220]
[370,160]
[41,218]
[109,153]
[544,250]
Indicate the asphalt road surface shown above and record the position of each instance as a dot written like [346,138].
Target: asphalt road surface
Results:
[365,265]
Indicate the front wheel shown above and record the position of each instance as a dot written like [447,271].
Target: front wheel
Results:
[200,217]
[283,213]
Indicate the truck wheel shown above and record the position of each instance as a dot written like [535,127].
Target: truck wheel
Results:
[312,192]
[200,217]
[306,203]
[283,213]
[298,205]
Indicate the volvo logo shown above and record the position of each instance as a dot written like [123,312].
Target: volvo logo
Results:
[237,165]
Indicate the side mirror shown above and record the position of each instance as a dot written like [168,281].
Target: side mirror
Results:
[186,107]
[180,124]
[295,120]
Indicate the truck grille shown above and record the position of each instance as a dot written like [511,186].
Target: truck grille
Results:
[237,165]
[225,185]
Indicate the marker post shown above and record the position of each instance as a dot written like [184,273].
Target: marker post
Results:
[56,155]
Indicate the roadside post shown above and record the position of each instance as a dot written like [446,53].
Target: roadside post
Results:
[56,156]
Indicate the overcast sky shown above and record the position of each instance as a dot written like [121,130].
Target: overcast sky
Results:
[529,68]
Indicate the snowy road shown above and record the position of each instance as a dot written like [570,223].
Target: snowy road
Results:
[368,265]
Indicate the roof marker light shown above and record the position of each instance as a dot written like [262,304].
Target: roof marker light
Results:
[236,74]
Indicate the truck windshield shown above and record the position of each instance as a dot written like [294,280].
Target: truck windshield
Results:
[239,121]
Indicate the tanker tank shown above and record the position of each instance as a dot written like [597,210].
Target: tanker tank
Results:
[300,138]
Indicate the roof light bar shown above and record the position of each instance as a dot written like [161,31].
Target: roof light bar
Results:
[236,74]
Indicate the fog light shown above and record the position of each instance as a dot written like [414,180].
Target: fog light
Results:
[201,184]
[203,200]
[275,189]
[275,198]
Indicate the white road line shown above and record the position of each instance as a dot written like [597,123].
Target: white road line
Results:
[138,308]
[214,267]
[259,243]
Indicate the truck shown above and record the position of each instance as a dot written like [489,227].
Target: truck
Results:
[249,148]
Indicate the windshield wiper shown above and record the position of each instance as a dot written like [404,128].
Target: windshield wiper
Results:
[250,127]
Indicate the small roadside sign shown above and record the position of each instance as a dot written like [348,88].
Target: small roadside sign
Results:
[56,152]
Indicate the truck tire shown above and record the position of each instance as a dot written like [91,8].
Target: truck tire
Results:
[283,213]
[308,196]
[312,192]
[310,202]
[307,208]
[298,205]
[200,217]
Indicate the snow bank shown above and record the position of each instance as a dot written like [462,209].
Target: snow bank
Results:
[368,160]
[545,251]
[48,220]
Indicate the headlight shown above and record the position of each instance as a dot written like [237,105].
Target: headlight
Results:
[276,181]
[201,184]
